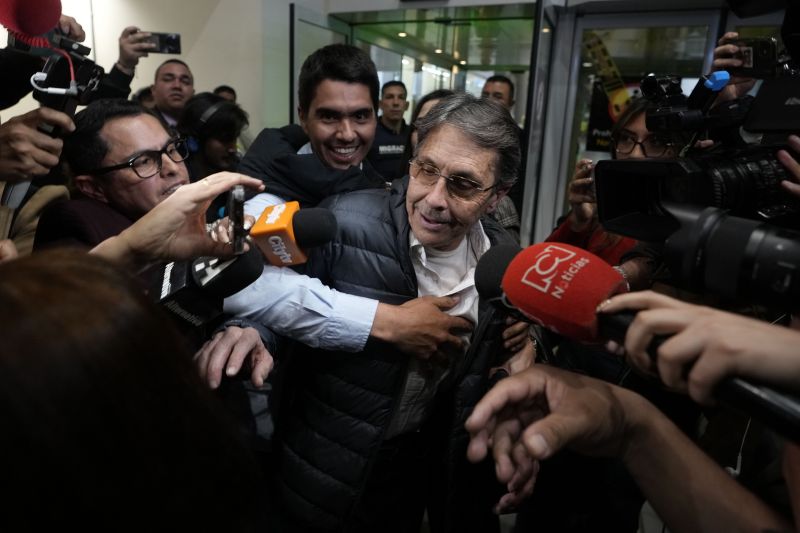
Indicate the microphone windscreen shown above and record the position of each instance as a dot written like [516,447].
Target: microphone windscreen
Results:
[490,269]
[30,17]
[231,276]
[560,286]
[313,226]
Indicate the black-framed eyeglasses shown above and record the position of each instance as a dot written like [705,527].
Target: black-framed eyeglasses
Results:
[651,146]
[457,186]
[148,163]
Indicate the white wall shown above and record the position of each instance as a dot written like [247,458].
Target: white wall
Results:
[242,43]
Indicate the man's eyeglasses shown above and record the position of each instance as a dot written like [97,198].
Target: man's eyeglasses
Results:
[457,186]
[148,163]
[651,146]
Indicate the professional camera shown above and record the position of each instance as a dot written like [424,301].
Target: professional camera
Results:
[68,77]
[726,225]
[744,179]
[738,259]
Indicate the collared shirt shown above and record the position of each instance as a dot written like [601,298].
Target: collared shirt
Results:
[439,274]
[171,122]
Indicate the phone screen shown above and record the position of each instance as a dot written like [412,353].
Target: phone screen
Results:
[166,43]
[235,212]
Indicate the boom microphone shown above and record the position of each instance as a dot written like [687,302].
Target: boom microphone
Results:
[487,341]
[560,286]
[30,17]
[283,231]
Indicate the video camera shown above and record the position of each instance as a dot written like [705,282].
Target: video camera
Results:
[68,77]
[726,224]
[743,179]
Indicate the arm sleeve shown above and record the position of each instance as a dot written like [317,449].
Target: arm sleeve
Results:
[301,307]
[306,310]
[115,84]
[563,233]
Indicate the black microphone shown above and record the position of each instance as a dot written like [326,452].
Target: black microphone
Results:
[487,341]
[193,291]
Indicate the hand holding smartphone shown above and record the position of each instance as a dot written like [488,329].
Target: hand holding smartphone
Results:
[165,43]
[235,212]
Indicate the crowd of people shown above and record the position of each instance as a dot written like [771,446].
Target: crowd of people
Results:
[360,390]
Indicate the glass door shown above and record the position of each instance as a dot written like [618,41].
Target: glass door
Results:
[608,56]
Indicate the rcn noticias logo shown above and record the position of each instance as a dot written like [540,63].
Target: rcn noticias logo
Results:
[553,270]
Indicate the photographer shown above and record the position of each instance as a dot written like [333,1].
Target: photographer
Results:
[630,140]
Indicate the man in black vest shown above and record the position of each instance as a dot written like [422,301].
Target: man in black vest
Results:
[392,132]
[368,441]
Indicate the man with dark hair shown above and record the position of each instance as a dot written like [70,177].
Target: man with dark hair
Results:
[499,88]
[212,124]
[391,135]
[337,101]
[123,162]
[227,92]
[172,88]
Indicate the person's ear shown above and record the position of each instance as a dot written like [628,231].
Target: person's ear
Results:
[89,186]
[500,193]
[303,116]
[405,107]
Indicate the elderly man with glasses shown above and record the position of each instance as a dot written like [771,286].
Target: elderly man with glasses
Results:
[122,162]
[368,441]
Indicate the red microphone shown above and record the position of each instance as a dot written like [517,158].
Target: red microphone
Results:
[559,286]
[30,17]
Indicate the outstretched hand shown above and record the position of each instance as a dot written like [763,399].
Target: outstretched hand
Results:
[175,229]
[706,345]
[536,413]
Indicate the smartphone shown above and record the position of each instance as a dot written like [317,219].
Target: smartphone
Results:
[759,57]
[235,212]
[166,43]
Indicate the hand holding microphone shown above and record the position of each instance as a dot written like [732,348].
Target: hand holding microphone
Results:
[712,344]
[560,287]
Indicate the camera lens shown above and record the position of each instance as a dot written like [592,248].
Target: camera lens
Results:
[735,258]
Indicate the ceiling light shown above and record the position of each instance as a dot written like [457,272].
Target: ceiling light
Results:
[438,51]
[402,34]
[463,62]
[545,30]
[406,61]
[587,65]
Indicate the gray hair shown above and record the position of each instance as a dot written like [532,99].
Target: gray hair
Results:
[485,122]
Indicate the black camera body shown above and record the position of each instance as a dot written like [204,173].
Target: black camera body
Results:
[54,86]
[631,194]
[726,223]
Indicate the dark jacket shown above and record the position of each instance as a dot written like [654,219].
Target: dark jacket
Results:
[337,405]
[80,221]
